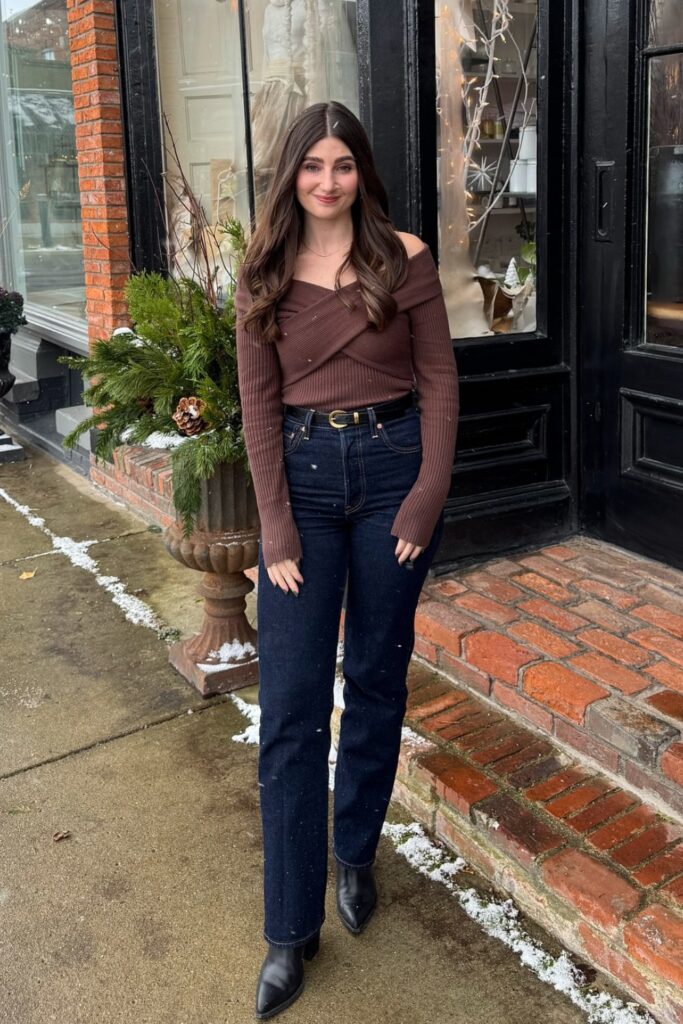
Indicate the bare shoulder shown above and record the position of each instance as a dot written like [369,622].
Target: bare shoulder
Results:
[412,243]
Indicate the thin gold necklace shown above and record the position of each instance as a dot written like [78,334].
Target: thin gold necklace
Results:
[322,253]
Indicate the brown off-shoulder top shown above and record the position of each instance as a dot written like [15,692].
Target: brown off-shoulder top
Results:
[330,357]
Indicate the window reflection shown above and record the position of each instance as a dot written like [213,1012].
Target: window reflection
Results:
[43,217]
[302,52]
[665,203]
[200,86]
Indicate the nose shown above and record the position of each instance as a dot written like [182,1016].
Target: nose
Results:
[329,182]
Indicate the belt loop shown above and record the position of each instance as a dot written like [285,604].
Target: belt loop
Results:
[307,424]
[372,420]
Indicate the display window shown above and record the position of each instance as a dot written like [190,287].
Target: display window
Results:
[40,229]
[487,123]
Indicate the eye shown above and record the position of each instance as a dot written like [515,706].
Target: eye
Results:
[346,168]
[310,167]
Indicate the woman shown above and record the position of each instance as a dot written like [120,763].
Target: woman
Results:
[339,318]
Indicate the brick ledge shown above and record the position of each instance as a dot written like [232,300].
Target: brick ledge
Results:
[583,641]
[598,868]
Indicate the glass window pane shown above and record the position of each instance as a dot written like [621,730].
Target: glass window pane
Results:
[200,86]
[43,241]
[301,52]
[487,165]
[666,22]
[665,203]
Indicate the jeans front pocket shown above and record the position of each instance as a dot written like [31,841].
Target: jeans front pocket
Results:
[292,433]
[402,434]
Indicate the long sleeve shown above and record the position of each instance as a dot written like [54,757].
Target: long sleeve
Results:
[437,385]
[259,380]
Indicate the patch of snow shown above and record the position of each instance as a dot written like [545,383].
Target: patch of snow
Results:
[251,733]
[233,650]
[24,510]
[331,765]
[339,677]
[161,439]
[230,654]
[414,739]
[135,610]
[75,551]
[253,713]
[157,439]
[339,692]
[135,340]
[498,918]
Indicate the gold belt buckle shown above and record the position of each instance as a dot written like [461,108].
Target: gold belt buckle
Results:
[331,421]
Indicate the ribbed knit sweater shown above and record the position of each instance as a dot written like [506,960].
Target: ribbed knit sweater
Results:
[333,358]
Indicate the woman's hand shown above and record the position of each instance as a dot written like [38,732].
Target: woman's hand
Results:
[405,550]
[285,575]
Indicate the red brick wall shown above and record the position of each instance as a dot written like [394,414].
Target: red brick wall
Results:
[99,146]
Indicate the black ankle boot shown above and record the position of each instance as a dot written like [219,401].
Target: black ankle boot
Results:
[356,896]
[281,980]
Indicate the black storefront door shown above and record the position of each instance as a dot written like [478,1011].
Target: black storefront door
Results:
[631,276]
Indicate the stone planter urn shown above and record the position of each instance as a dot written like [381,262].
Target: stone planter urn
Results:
[223,655]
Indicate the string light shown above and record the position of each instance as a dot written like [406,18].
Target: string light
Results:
[466,146]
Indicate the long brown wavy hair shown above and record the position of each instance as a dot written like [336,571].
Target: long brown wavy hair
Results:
[377,254]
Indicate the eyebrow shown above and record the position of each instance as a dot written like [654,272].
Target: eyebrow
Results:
[339,160]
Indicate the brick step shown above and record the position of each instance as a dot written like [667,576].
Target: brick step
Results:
[584,641]
[598,867]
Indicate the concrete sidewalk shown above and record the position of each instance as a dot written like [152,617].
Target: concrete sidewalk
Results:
[150,910]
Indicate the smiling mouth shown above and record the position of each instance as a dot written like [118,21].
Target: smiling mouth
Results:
[327,199]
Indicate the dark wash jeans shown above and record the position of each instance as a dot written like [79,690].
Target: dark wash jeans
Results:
[346,485]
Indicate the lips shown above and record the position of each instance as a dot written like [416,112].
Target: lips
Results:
[327,200]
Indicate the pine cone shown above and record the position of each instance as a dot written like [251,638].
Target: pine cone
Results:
[188,416]
[146,404]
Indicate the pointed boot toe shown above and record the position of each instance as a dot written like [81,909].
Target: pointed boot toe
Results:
[281,980]
[356,896]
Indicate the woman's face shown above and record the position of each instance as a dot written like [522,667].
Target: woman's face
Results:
[327,179]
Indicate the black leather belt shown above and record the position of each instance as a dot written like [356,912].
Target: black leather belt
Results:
[348,417]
